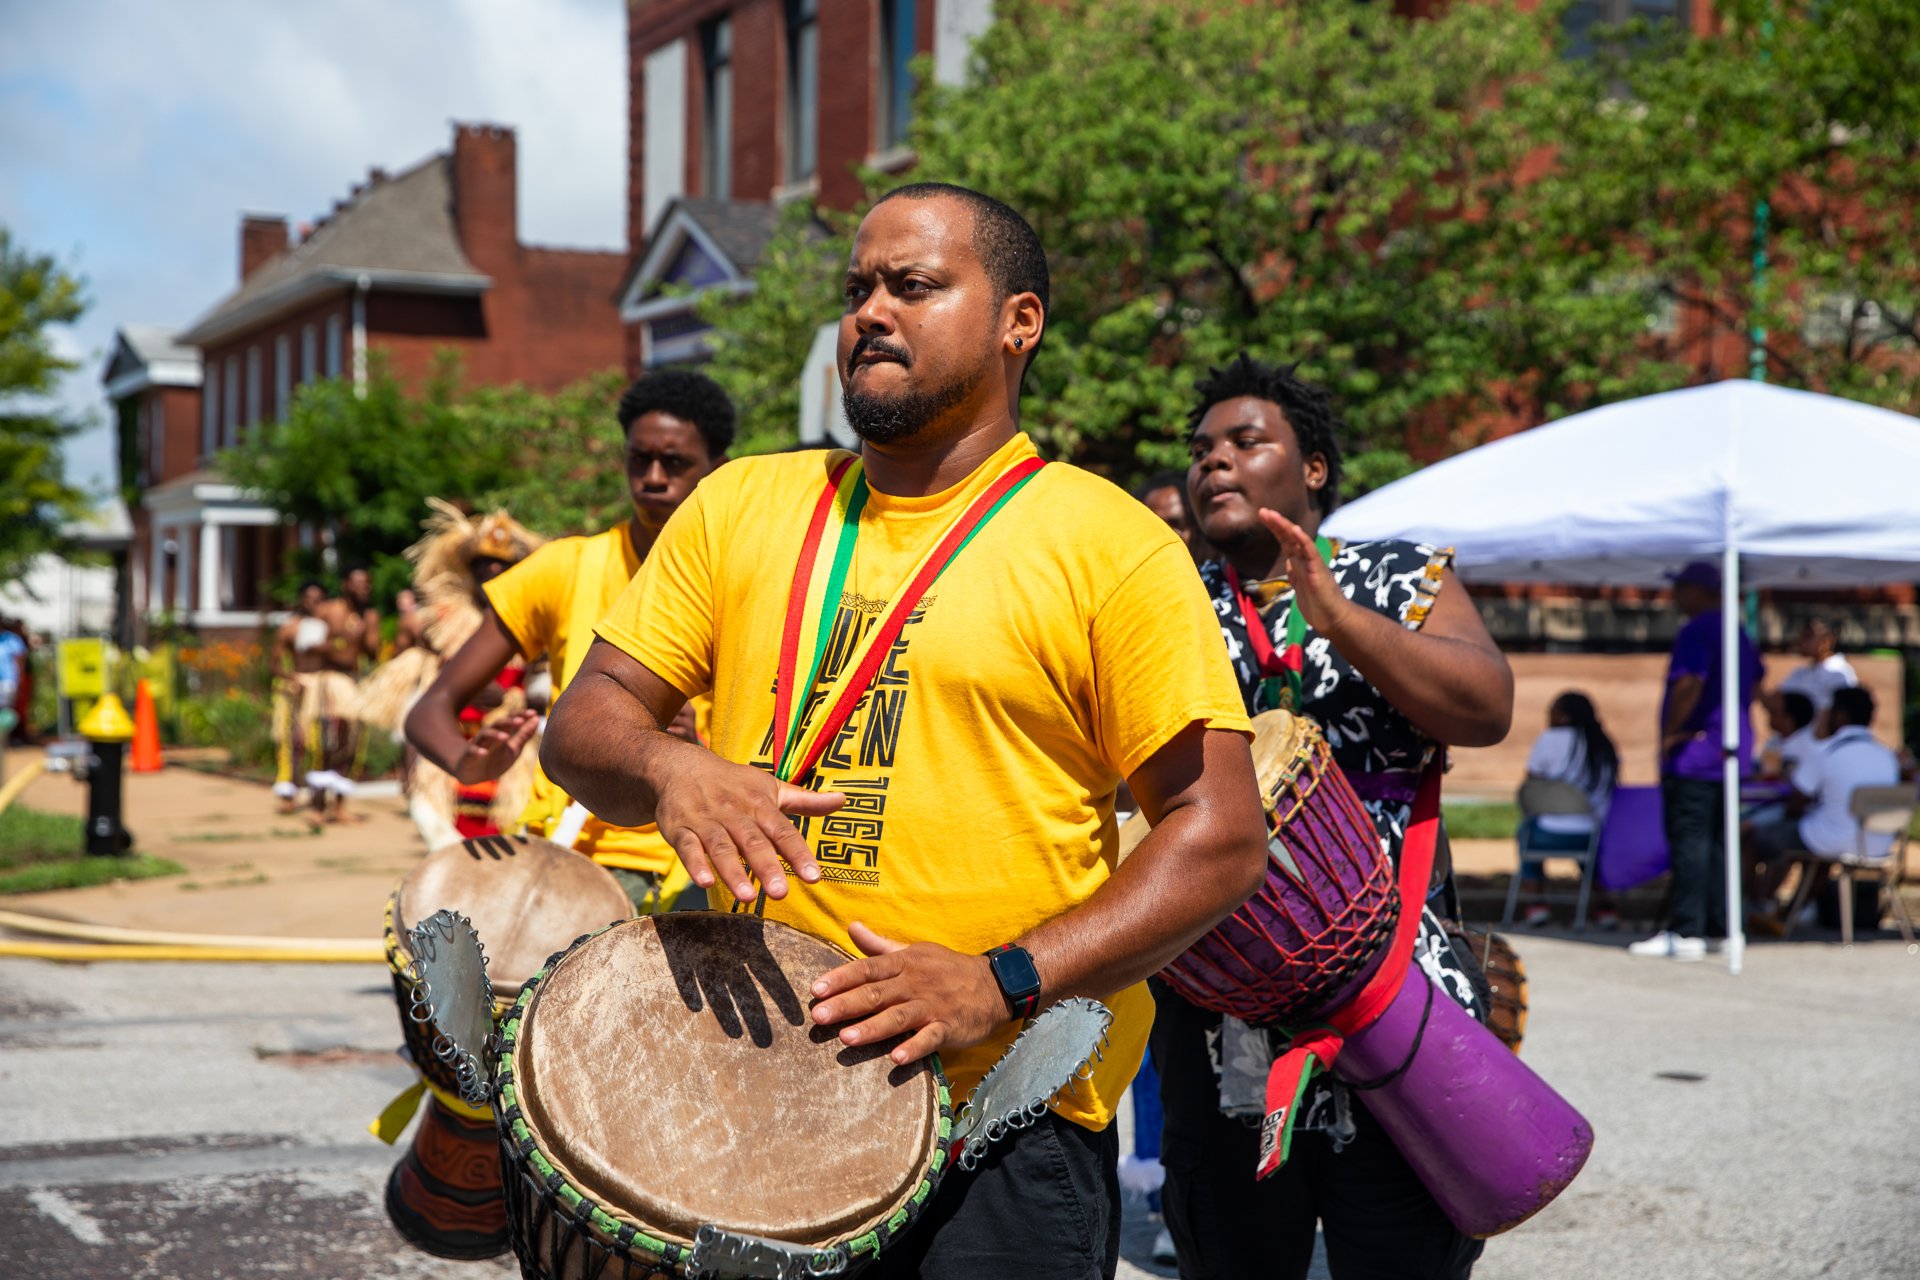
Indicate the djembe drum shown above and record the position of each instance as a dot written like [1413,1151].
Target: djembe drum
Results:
[1488,1137]
[527,898]
[663,1075]
[1506,982]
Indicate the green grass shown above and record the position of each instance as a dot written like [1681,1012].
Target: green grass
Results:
[29,836]
[41,851]
[1480,821]
[82,872]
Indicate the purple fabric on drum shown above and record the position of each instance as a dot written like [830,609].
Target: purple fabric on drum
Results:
[1490,1139]
[1390,786]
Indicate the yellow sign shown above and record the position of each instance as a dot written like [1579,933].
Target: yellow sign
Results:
[83,667]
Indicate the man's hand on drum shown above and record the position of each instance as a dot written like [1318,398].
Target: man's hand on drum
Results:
[733,822]
[492,751]
[936,997]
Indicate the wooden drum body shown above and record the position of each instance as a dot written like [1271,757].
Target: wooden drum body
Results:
[527,899]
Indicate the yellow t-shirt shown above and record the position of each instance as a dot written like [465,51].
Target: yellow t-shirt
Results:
[535,599]
[1062,648]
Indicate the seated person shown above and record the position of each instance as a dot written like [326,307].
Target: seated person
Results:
[1790,715]
[1573,748]
[1826,673]
[1819,815]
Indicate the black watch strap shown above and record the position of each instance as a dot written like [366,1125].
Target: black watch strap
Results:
[1019,980]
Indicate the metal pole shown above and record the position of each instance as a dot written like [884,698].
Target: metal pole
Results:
[1732,710]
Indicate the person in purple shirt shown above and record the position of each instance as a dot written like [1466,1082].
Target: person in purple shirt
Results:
[1692,781]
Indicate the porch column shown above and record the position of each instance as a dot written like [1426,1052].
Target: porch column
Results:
[182,571]
[210,567]
[153,600]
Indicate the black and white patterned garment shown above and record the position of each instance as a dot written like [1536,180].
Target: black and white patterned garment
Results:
[1367,735]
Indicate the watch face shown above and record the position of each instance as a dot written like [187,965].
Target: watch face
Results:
[1015,973]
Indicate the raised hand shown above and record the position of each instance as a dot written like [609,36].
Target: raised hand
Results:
[492,751]
[1322,604]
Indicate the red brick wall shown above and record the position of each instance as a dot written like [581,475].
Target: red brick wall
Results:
[180,431]
[759,89]
[849,74]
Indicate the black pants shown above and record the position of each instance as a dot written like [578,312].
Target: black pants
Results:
[1691,810]
[1044,1204]
[1380,1222]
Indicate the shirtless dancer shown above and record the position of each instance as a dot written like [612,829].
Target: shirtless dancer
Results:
[328,716]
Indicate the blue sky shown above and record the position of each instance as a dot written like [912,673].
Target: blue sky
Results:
[132,135]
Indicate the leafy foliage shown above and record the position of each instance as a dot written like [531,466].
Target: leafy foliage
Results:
[363,466]
[1449,221]
[1807,112]
[35,499]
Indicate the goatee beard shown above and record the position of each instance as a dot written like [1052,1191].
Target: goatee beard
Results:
[903,415]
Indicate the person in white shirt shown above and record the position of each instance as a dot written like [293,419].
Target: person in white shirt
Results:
[1791,717]
[1826,673]
[1819,817]
[1573,748]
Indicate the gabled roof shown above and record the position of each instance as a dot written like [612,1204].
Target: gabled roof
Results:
[700,242]
[399,232]
[147,355]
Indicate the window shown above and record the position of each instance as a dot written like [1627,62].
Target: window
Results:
[897,42]
[309,353]
[230,396]
[1584,15]
[253,386]
[333,346]
[716,54]
[282,375]
[803,88]
[209,413]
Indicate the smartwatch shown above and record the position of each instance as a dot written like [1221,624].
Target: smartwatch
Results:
[1019,980]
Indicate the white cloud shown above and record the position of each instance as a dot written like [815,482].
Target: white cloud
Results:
[133,135]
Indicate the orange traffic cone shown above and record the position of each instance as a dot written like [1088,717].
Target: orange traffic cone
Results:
[146,731]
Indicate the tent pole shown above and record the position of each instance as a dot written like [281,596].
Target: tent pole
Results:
[1731,712]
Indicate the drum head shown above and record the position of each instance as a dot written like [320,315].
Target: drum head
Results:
[527,898]
[669,1069]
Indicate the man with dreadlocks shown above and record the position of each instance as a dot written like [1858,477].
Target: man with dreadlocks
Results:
[1393,664]
[678,426]
[452,566]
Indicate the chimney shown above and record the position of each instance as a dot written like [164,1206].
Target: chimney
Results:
[262,238]
[485,193]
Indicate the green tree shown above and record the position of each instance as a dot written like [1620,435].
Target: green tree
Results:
[362,467]
[1317,181]
[1797,120]
[35,499]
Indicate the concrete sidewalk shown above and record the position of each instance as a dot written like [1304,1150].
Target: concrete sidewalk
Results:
[250,869]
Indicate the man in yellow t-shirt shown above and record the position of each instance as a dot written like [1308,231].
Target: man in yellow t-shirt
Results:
[678,426]
[965,805]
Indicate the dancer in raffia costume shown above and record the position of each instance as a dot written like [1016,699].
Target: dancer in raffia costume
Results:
[458,557]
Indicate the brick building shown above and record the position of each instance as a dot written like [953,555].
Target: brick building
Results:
[426,260]
[736,106]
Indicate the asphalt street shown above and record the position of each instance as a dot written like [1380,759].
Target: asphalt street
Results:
[209,1121]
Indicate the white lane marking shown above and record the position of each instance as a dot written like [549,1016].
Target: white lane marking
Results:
[67,1214]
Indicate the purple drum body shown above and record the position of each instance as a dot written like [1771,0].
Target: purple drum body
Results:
[1490,1139]
[1320,922]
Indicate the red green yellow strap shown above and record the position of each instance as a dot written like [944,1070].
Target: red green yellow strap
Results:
[800,737]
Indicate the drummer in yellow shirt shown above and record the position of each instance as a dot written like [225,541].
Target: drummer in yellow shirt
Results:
[966,762]
[678,425]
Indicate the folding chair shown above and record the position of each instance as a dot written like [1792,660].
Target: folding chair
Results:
[1540,797]
[1877,811]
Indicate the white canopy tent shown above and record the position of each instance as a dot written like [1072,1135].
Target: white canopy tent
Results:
[1786,488]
